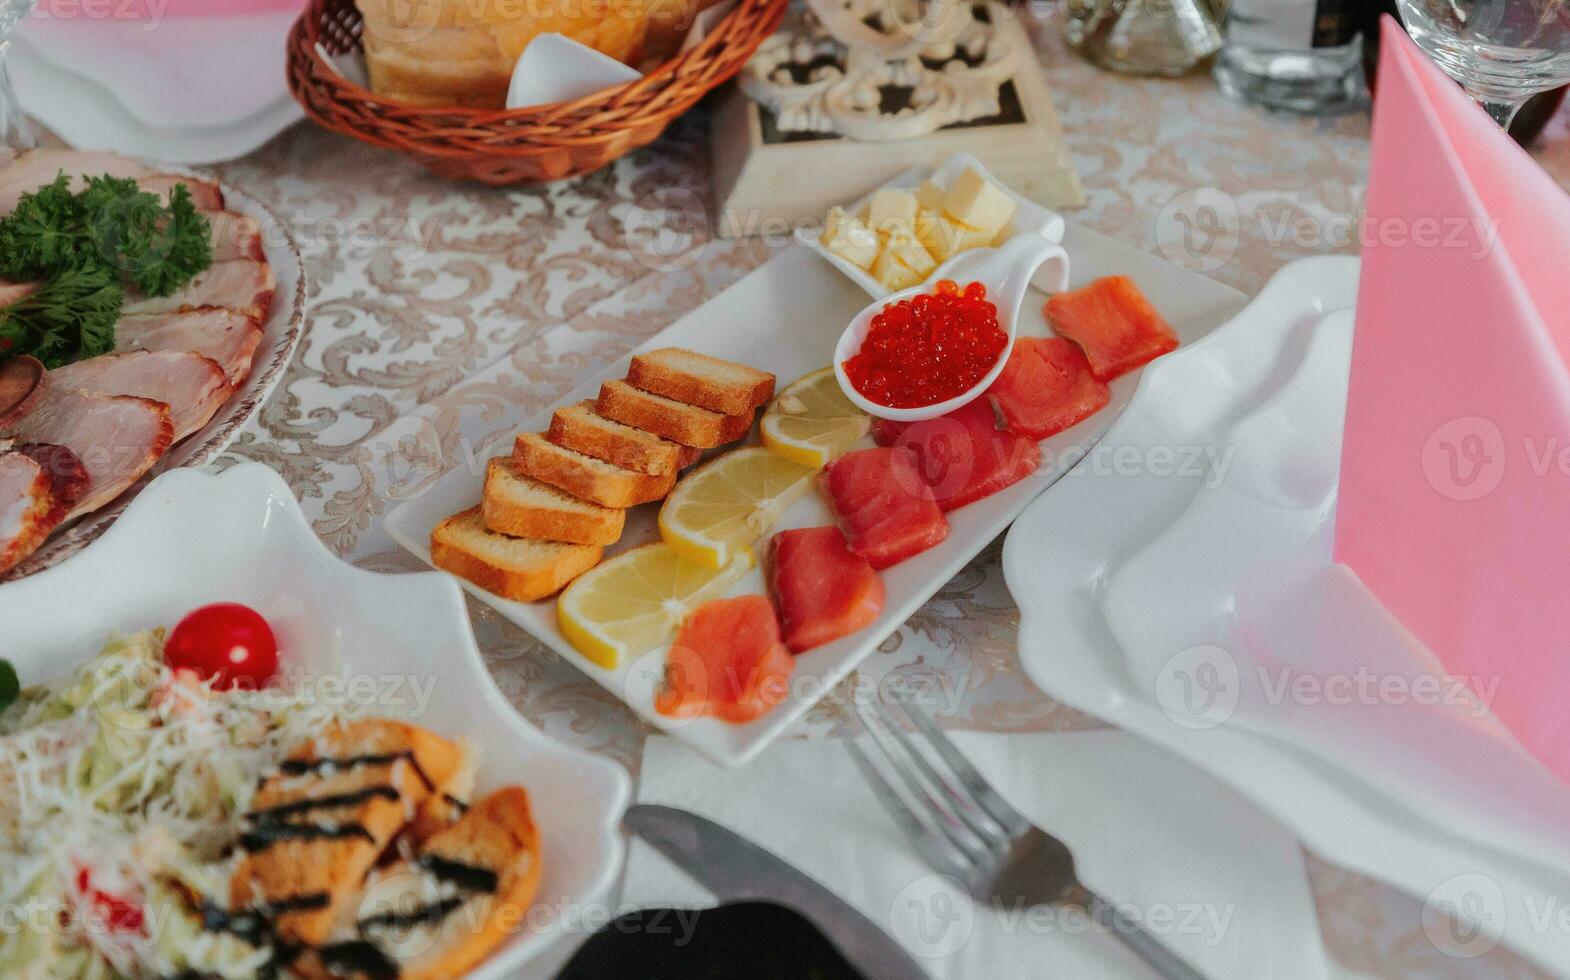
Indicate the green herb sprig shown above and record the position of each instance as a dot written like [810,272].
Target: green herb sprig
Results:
[88,247]
[10,687]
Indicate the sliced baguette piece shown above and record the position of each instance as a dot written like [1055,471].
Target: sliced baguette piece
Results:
[585,477]
[676,421]
[522,507]
[520,569]
[698,379]
[581,429]
[489,862]
[363,778]
[436,914]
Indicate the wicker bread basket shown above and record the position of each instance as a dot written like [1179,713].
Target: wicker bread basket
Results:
[538,143]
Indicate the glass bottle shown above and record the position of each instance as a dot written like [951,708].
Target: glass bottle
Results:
[1294,55]
[1143,37]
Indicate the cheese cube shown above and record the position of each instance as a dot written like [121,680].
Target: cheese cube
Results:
[975,202]
[929,197]
[892,212]
[948,237]
[893,273]
[848,238]
[913,255]
[905,262]
[927,225]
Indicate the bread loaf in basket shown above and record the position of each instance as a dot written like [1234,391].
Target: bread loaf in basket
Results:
[462,52]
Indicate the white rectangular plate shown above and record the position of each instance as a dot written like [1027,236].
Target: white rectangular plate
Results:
[785,317]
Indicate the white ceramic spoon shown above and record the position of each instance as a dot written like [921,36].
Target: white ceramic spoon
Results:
[1005,272]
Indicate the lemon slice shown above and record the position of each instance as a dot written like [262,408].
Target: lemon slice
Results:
[635,601]
[724,506]
[812,421]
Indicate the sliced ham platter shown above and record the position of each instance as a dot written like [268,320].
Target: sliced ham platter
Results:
[74,439]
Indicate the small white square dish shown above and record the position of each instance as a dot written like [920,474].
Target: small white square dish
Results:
[1029,217]
[192,538]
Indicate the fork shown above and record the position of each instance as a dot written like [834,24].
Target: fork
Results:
[963,828]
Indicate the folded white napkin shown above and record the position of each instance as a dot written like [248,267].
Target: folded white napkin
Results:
[1220,882]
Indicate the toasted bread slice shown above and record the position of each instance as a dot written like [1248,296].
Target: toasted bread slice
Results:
[317,827]
[585,477]
[437,915]
[580,428]
[450,801]
[520,569]
[698,379]
[676,421]
[522,507]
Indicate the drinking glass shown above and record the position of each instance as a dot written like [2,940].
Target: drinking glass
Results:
[15,131]
[1502,51]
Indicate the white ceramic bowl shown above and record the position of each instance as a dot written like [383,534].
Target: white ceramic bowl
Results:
[193,538]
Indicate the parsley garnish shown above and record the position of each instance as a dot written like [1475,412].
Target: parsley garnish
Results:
[70,317]
[88,247]
[10,687]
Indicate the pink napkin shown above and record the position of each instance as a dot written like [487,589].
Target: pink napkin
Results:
[1455,476]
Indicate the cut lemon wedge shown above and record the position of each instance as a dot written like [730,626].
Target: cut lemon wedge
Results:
[726,505]
[812,421]
[635,601]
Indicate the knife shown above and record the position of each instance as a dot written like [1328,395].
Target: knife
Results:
[737,870]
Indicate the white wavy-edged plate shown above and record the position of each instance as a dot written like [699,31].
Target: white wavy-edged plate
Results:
[173,72]
[786,317]
[280,337]
[86,115]
[1029,217]
[1173,604]
[194,538]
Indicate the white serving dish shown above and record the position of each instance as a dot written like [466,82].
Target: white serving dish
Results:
[280,337]
[1173,605]
[174,72]
[1030,217]
[87,112]
[786,317]
[193,538]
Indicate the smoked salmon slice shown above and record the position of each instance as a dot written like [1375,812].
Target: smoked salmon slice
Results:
[728,662]
[886,507]
[824,590]
[1113,322]
[1046,387]
[964,455]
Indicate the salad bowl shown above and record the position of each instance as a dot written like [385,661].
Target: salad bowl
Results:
[400,646]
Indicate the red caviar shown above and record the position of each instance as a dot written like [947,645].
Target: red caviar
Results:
[929,348]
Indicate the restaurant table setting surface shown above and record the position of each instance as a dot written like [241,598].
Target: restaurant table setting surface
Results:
[440,313]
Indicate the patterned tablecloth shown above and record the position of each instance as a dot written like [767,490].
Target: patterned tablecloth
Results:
[441,313]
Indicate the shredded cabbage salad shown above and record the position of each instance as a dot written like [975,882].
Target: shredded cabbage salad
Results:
[122,787]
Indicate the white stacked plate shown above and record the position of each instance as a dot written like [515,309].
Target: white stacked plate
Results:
[1180,584]
[194,90]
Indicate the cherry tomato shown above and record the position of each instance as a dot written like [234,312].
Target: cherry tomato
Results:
[226,643]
